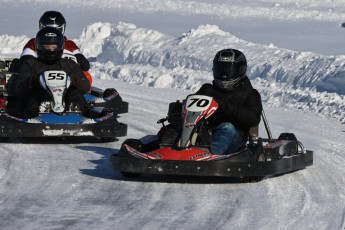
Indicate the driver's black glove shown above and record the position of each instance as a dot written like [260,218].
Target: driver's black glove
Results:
[83,62]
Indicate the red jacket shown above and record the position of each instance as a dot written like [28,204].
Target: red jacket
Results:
[30,48]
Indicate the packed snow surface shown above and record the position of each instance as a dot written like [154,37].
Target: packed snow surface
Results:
[158,51]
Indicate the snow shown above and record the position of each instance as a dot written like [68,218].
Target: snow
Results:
[155,52]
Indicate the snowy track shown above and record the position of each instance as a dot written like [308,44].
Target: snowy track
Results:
[63,184]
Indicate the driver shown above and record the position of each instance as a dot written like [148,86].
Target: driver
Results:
[25,85]
[57,20]
[239,103]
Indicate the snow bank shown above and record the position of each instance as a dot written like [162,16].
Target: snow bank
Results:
[11,46]
[92,38]
[285,78]
[194,50]
[304,80]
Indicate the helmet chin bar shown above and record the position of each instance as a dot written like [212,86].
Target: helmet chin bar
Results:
[49,57]
[56,82]
[227,85]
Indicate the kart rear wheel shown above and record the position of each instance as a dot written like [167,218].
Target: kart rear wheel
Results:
[260,157]
[130,175]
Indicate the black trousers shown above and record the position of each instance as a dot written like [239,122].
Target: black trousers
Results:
[29,107]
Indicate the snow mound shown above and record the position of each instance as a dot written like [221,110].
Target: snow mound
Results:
[285,78]
[194,50]
[92,38]
[142,56]
[11,46]
[129,44]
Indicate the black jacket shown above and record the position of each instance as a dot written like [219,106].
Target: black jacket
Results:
[29,69]
[242,106]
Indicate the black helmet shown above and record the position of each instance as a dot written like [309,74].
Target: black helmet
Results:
[53,19]
[229,68]
[49,36]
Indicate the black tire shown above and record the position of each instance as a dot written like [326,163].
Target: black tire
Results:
[259,153]
[253,179]
[262,157]
[259,156]
[109,91]
[4,139]
[130,175]
[108,139]
[287,136]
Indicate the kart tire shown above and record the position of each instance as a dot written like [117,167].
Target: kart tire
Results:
[4,139]
[108,139]
[130,175]
[260,156]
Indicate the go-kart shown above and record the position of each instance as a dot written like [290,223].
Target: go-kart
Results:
[108,98]
[56,118]
[187,152]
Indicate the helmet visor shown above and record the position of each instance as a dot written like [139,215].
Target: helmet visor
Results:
[228,70]
[59,27]
[50,47]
